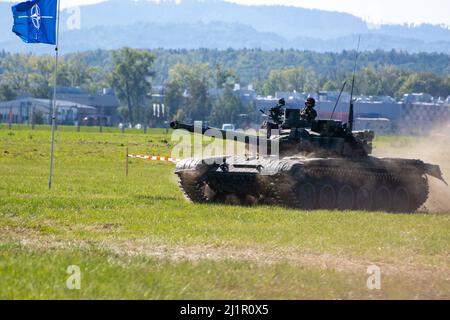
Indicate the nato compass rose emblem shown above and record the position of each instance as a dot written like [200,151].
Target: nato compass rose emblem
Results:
[35,16]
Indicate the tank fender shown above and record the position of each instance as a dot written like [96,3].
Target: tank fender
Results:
[276,167]
[193,164]
[434,171]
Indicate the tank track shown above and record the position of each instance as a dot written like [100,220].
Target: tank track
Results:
[313,188]
[193,186]
[344,190]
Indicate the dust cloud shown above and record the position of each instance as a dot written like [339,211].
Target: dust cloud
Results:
[434,149]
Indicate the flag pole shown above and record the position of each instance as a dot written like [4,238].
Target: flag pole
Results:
[54,113]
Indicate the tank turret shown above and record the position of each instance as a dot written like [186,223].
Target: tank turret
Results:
[325,138]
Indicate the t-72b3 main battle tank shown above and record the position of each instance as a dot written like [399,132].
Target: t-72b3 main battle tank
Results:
[322,164]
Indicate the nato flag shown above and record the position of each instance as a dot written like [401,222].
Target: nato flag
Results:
[35,21]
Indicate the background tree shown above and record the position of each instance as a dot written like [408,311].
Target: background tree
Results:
[42,75]
[226,108]
[98,79]
[79,73]
[296,79]
[187,91]
[275,82]
[16,71]
[6,92]
[426,82]
[131,77]
[300,79]
[173,97]
[224,76]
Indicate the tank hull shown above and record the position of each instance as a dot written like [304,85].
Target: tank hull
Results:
[371,184]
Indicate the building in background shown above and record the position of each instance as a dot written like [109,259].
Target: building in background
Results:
[105,103]
[75,106]
[38,111]
[414,113]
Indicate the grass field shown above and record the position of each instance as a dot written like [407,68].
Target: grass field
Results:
[138,238]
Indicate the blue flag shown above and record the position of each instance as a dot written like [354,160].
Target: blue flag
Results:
[35,21]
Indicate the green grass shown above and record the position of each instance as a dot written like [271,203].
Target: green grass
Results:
[64,128]
[93,202]
[36,274]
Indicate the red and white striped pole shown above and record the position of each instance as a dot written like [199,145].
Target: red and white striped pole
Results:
[144,157]
[152,158]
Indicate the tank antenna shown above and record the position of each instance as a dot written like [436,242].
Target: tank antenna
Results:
[337,101]
[350,114]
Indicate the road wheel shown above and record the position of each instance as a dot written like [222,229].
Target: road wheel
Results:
[363,199]
[383,199]
[232,199]
[209,193]
[270,201]
[346,198]
[327,197]
[401,201]
[307,196]
[250,201]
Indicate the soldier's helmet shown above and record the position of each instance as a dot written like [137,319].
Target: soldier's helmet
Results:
[311,102]
[281,102]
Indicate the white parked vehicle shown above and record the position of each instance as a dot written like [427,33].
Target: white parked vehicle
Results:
[228,127]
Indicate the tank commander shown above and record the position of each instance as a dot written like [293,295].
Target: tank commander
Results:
[276,113]
[308,113]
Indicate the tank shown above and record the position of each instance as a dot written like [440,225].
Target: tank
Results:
[319,164]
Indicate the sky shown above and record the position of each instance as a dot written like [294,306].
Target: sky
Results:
[377,11]
[374,11]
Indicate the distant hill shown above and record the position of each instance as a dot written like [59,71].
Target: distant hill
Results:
[370,42]
[217,35]
[218,24]
[151,35]
[288,22]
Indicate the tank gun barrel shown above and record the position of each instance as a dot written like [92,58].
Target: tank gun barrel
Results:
[191,128]
[226,135]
